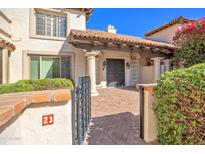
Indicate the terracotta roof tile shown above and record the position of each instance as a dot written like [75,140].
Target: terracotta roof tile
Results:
[102,36]
[174,21]
[4,43]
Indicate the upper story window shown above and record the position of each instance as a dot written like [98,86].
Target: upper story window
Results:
[50,25]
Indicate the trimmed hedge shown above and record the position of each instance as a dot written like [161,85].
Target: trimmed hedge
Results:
[180,106]
[35,85]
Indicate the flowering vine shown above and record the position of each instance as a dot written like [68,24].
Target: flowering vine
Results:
[189,41]
[193,27]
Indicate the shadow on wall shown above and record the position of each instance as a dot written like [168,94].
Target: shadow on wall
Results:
[116,129]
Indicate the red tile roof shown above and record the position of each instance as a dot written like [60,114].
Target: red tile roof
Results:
[102,36]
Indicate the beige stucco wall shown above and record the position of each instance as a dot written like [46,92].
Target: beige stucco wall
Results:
[20,32]
[147,74]
[165,35]
[27,128]
[5,31]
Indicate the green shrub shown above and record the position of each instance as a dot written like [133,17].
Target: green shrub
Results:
[180,106]
[35,85]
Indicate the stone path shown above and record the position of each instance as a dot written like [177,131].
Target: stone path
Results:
[115,117]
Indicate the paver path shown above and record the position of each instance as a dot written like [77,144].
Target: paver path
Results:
[115,117]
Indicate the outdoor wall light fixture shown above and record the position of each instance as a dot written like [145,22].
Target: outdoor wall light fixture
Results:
[128,65]
[104,64]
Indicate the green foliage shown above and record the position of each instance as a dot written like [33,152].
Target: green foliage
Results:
[35,85]
[180,106]
[190,50]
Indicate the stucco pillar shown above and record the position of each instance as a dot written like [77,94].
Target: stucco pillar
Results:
[167,64]
[157,68]
[4,66]
[8,71]
[92,70]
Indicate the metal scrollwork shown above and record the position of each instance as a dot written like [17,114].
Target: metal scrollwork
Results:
[82,109]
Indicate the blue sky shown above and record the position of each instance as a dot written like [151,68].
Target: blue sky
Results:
[138,21]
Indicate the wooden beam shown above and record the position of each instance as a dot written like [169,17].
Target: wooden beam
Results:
[131,47]
[137,46]
[147,48]
[96,43]
[122,45]
[166,51]
[110,44]
[155,49]
[76,42]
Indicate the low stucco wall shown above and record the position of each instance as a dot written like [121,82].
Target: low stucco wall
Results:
[26,127]
[150,121]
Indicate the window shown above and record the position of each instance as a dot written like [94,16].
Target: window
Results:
[50,25]
[42,67]
[134,70]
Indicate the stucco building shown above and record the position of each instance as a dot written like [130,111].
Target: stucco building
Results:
[51,43]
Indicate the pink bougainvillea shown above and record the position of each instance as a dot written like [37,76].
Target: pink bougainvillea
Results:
[190,44]
[196,26]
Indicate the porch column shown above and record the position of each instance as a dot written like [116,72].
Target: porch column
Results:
[157,68]
[167,64]
[92,70]
[4,65]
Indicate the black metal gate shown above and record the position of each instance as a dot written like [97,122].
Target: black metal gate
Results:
[141,112]
[81,109]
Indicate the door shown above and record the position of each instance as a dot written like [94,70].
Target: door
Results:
[115,72]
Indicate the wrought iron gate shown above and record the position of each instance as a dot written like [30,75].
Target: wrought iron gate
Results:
[81,109]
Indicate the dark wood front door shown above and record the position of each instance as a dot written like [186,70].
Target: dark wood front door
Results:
[115,72]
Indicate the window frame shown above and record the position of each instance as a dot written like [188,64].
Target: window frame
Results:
[53,18]
[32,30]
[50,56]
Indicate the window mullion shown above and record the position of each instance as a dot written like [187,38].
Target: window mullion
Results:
[52,25]
[40,67]
[60,67]
[57,26]
[45,24]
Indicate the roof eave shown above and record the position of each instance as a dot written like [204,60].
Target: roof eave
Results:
[75,39]
[174,21]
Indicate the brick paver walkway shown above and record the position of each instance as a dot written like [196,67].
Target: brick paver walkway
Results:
[115,117]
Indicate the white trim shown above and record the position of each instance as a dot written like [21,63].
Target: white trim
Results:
[3,15]
[32,25]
